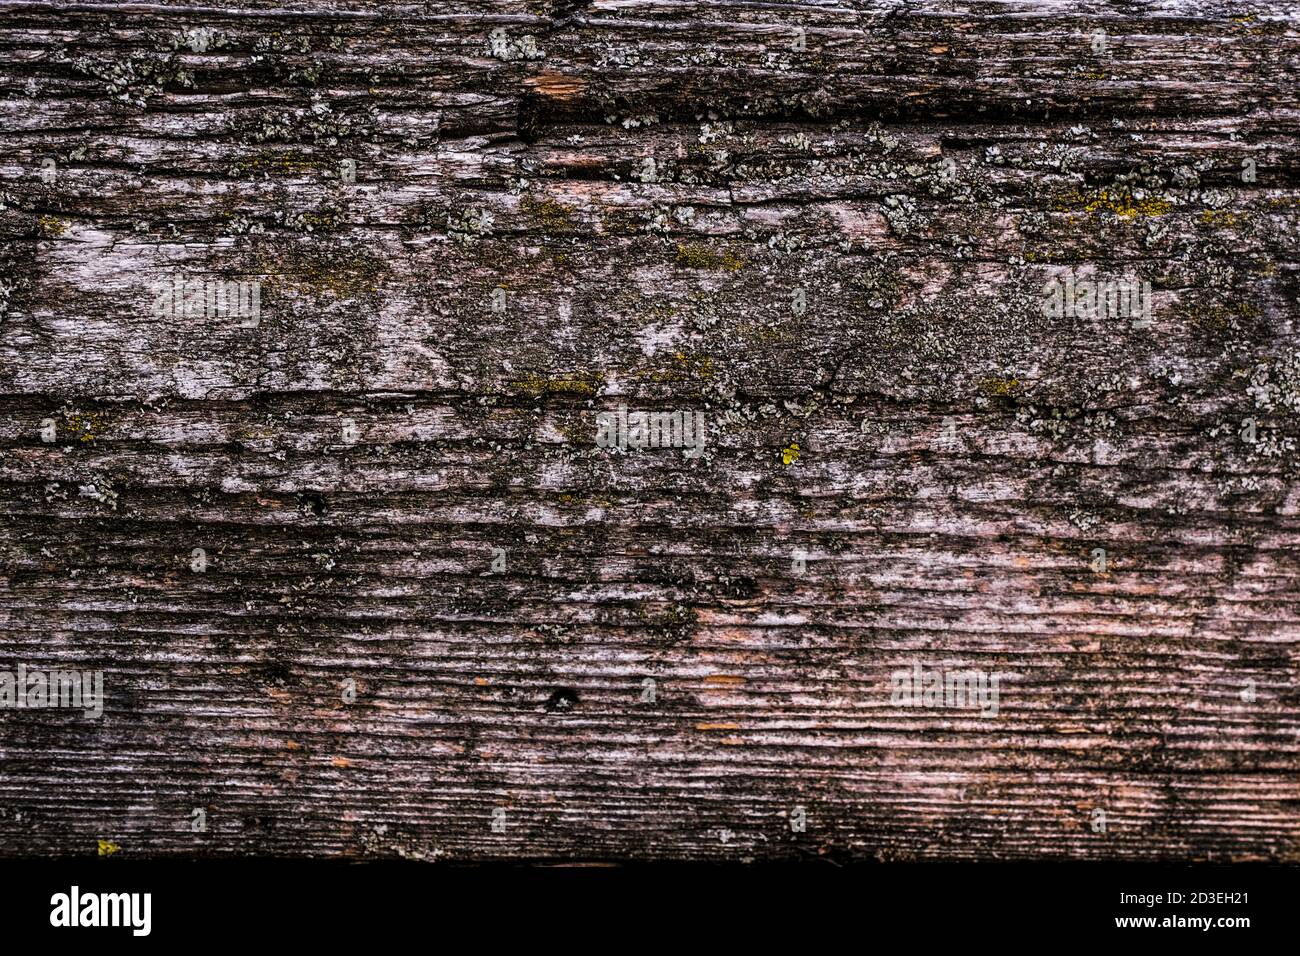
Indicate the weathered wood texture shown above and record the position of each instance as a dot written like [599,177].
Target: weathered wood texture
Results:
[349,464]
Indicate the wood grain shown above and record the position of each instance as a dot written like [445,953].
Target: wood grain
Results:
[652,184]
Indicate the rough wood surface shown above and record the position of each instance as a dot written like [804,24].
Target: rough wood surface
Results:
[651,183]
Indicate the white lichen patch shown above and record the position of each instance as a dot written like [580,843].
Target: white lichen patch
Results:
[1277,386]
[1083,520]
[503,46]
[101,490]
[470,225]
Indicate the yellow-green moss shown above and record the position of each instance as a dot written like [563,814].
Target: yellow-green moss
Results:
[684,368]
[283,163]
[1119,201]
[51,226]
[1218,318]
[1224,218]
[82,428]
[999,387]
[338,275]
[578,500]
[579,383]
[767,336]
[705,257]
[554,216]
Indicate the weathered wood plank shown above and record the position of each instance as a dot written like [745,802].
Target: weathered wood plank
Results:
[825,227]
